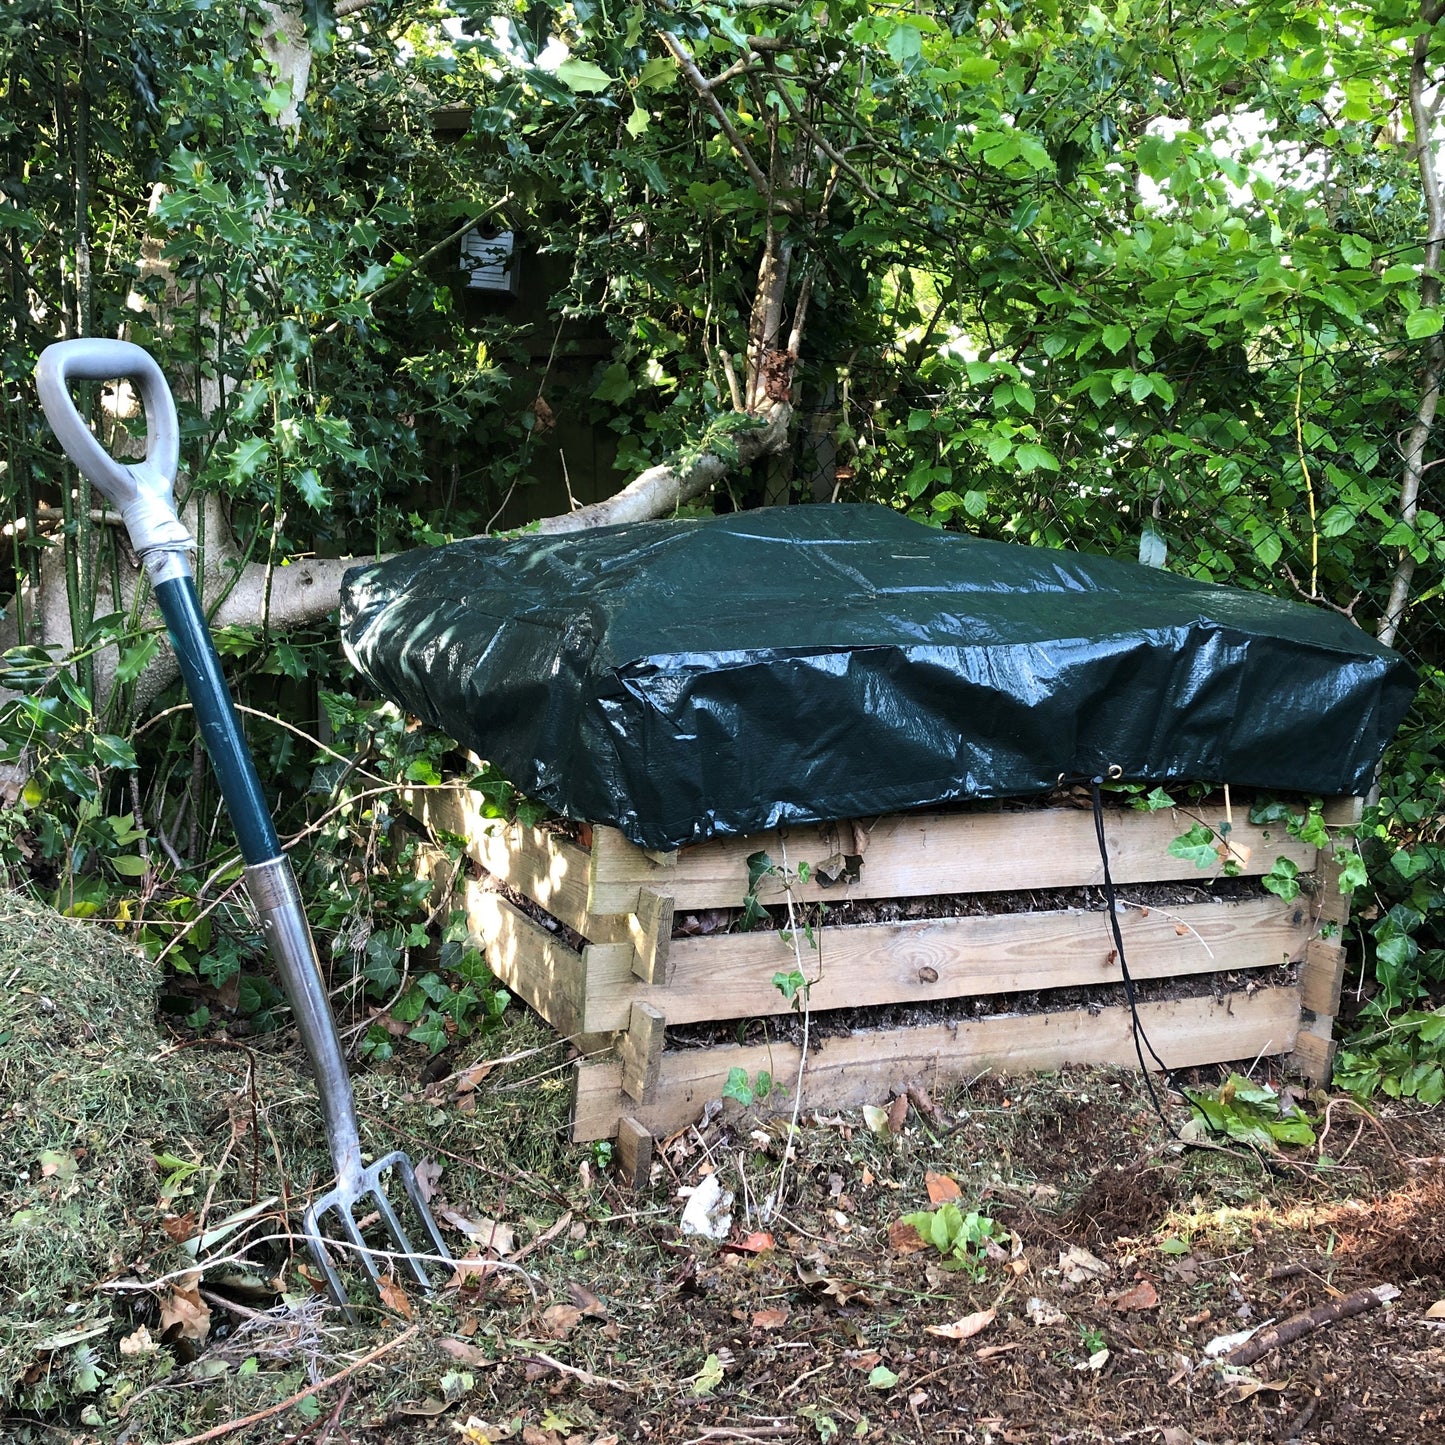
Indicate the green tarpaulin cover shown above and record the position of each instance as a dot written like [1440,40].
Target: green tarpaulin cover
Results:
[693,678]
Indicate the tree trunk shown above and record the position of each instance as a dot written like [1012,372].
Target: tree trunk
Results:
[1423,113]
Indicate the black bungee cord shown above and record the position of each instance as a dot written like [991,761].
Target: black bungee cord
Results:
[1141,1039]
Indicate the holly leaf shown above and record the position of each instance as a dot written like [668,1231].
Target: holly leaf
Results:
[582,77]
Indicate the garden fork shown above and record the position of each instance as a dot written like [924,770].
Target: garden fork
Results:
[144,494]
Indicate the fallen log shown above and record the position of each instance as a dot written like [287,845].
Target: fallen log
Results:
[1298,1326]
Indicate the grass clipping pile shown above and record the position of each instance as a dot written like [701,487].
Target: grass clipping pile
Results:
[89,1106]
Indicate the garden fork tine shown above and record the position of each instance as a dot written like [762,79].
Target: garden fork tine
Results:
[144,494]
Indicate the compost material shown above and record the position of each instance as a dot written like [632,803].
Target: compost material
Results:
[695,678]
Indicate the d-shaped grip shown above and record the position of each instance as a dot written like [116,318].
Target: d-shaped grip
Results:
[142,491]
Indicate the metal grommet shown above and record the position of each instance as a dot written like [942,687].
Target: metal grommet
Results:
[1115,771]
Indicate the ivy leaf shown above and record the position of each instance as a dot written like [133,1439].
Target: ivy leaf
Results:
[616,384]
[1283,879]
[737,1087]
[1197,846]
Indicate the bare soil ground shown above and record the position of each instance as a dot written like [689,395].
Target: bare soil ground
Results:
[1127,1253]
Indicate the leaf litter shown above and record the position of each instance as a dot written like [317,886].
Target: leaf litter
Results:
[862,1329]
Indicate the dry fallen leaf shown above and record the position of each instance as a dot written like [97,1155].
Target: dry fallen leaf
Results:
[586,1301]
[471,1269]
[140,1343]
[462,1351]
[757,1243]
[184,1307]
[558,1321]
[904,1238]
[468,1079]
[875,1118]
[1142,1297]
[427,1172]
[1043,1313]
[989,1352]
[898,1113]
[492,1235]
[1079,1265]
[180,1227]
[841,1290]
[427,1409]
[771,1319]
[1176,1435]
[1436,1310]
[942,1189]
[966,1328]
[1248,1388]
[393,1296]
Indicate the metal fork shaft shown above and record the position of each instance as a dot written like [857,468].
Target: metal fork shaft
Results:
[272,886]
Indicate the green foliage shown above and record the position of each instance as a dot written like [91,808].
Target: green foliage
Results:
[747,1091]
[1250,1113]
[1200,846]
[1080,284]
[1405,1060]
[760,866]
[963,1239]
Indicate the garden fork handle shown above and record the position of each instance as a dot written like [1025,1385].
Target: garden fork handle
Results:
[145,494]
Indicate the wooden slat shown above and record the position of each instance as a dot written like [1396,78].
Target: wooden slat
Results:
[537,966]
[727,976]
[863,1067]
[549,869]
[912,854]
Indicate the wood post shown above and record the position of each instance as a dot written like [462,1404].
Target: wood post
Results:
[1324,966]
[650,928]
[640,1050]
[634,1152]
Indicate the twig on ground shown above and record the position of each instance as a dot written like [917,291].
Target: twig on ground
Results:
[1298,1326]
[586,1376]
[747,1432]
[231,1426]
[334,1418]
[1365,1113]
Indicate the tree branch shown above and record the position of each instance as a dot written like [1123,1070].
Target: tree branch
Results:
[664,488]
[699,83]
[1421,123]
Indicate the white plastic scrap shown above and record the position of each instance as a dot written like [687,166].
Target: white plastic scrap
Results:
[1223,1344]
[708,1211]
